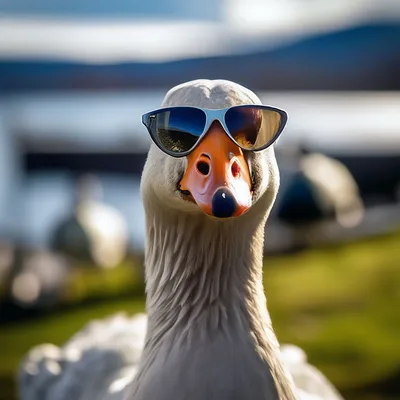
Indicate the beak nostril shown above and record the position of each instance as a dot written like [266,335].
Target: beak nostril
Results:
[203,167]
[235,169]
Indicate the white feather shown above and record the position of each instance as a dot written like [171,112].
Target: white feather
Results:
[100,362]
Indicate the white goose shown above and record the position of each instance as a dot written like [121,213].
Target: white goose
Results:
[208,331]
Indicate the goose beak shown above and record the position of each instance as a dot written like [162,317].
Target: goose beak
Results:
[217,175]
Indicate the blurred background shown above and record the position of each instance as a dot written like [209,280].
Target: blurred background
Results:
[74,79]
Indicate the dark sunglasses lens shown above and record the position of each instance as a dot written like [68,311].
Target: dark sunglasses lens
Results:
[253,127]
[178,129]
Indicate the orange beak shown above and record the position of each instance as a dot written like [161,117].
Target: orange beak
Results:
[217,175]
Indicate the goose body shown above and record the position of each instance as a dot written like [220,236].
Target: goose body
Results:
[208,331]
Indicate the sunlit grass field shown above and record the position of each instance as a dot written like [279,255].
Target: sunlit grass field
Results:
[341,304]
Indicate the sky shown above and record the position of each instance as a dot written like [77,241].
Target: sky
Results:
[174,9]
[246,11]
[151,30]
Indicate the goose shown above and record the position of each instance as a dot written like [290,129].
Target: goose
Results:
[93,231]
[206,333]
[322,188]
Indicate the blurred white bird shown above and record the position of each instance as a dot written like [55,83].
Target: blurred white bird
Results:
[94,231]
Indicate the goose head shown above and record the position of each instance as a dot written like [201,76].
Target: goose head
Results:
[218,180]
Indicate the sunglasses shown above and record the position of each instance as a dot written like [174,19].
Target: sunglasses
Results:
[178,130]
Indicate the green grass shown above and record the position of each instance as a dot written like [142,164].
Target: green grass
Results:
[341,304]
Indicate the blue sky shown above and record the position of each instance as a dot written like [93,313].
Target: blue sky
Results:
[204,9]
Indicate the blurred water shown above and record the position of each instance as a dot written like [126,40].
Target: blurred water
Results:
[9,180]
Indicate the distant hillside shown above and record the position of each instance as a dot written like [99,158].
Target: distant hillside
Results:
[360,58]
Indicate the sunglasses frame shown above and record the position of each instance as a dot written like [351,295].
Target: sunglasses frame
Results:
[211,116]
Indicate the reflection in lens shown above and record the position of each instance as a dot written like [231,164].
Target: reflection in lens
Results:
[178,129]
[252,127]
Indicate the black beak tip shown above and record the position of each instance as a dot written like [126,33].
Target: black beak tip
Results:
[223,203]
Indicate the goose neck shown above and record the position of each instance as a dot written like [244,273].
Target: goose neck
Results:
[198,264]
[204,290]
